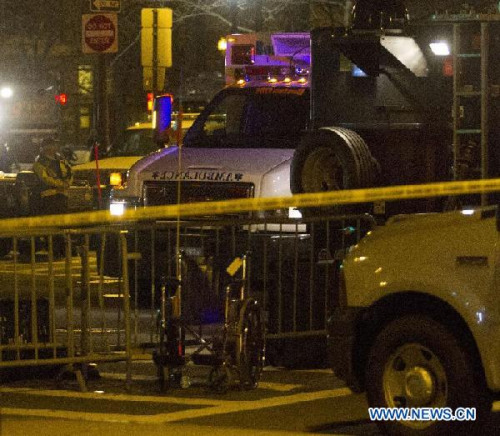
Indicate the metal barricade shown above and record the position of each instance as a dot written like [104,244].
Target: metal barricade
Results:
[52,310]
[294,273]
[98,301]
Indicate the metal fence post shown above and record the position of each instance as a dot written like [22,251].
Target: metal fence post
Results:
[84,300]
[126,309]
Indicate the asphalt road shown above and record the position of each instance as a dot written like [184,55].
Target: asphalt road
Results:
[286,402]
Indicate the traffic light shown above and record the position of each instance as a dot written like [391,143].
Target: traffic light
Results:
[61,98]
[151,99]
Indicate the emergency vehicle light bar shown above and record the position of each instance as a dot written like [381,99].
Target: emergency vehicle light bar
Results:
[272,58]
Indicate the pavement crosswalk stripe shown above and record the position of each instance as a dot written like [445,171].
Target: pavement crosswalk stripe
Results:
[243,406]
[279,387]
[218,408]
[114,397]
[77,416]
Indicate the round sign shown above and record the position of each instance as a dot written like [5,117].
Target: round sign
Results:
[99,33]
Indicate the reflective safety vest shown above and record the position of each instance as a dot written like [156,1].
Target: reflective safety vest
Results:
[54,174]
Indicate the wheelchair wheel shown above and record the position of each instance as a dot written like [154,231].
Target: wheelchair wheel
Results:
[219,379]
[163,373]
[251,350]
[171,377]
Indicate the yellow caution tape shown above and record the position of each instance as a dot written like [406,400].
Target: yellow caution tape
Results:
[322,199]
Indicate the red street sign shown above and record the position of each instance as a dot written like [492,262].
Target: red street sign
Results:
[99,33]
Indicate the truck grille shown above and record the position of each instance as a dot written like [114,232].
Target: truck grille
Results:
[163,193]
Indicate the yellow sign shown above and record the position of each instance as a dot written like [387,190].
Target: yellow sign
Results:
[235,266]
[105,5]
[159,21]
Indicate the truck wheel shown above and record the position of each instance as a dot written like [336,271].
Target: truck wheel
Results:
[416,362]
[332,159]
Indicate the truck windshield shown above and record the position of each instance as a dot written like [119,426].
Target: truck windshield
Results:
[134,142]
[252,118]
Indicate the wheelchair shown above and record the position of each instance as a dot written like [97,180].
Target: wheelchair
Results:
[235,353]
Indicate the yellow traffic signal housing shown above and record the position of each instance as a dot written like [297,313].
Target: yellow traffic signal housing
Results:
[162,25]
[147,78]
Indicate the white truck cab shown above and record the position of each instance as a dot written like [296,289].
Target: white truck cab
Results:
[420,315]
[242,144]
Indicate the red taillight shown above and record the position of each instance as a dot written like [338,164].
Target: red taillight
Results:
[61,99]
[448,67]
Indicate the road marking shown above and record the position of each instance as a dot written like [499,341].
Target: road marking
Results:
[244,406]
[218,407]
[115,397]
[278,387]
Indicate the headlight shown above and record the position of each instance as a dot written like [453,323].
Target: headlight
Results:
[117,209]
[294,213]
[116,179]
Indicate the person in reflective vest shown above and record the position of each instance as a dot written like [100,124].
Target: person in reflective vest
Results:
[54,174]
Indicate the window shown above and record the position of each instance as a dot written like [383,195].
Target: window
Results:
[246,118]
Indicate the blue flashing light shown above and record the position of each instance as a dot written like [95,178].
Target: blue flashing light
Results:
[164,111]
[358,72]
[163,117]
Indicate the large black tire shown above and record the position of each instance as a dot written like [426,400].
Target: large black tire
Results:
[417,362]
[332,159]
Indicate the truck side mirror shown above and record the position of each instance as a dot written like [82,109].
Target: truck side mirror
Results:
[162,118]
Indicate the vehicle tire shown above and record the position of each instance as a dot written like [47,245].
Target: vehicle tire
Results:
[332,159]
[417,362]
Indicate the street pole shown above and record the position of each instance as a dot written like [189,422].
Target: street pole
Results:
[155,52]
[347,12]
[233,13]
[102,102]
[259,21]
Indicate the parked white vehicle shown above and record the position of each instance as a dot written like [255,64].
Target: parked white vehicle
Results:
[420,317]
